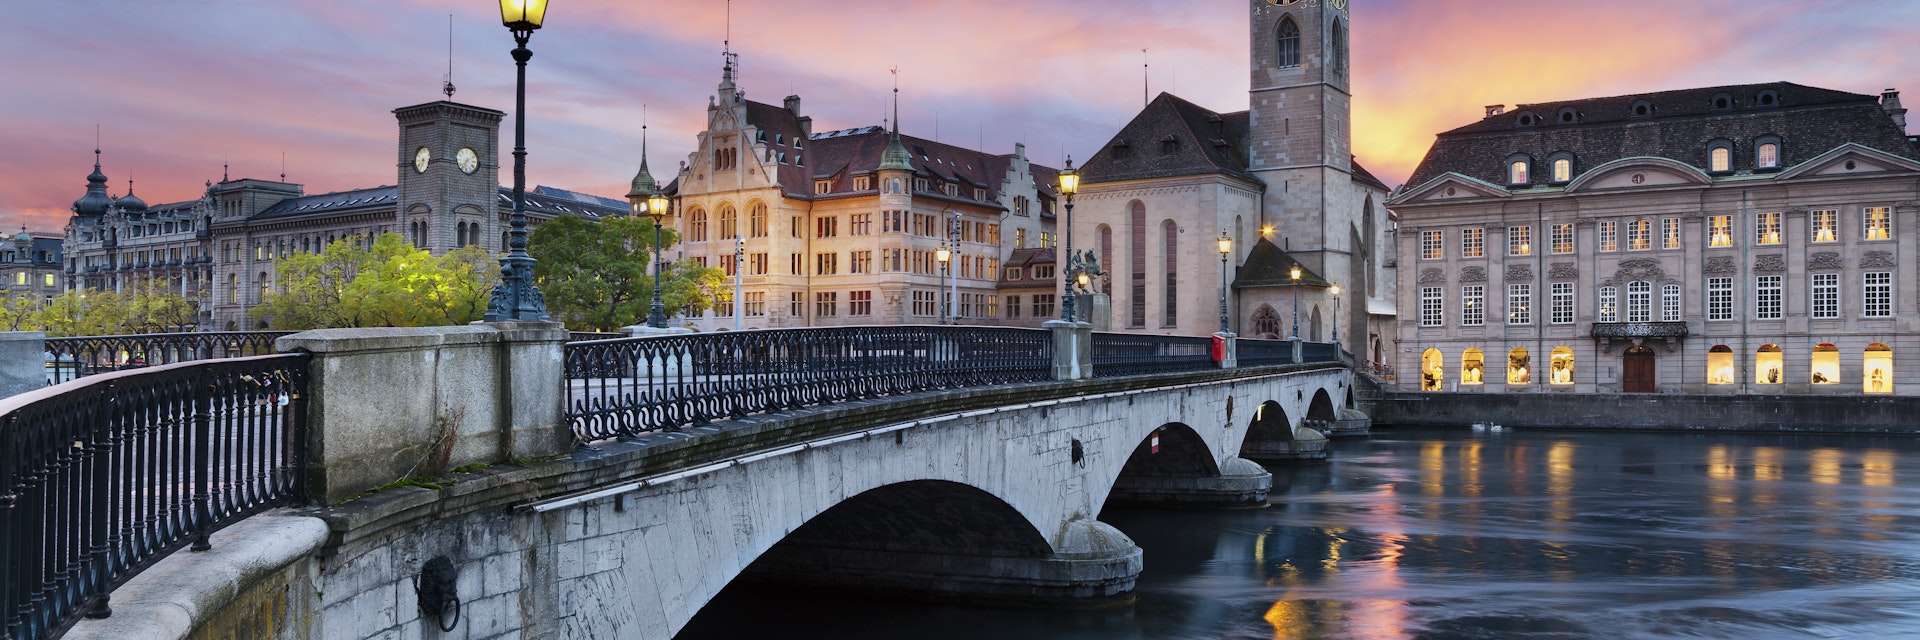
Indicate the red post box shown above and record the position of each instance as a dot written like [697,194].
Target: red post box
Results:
[1219,349]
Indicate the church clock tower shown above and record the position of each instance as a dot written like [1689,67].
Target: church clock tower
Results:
[1299,101]
[449,180]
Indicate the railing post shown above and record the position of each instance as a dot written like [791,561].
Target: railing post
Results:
[1297,359]
[1072,349]
[202,461]
[23,361]
[99,458]
[1229,344]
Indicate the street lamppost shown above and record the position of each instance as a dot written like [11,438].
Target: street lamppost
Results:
[1295,275]
[656,206]
[1336,317]
[515,298]
[1069,185]
[1226,248]
[739,280]
[953,283]
[945,254]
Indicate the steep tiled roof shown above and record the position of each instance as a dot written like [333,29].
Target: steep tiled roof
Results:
[840,155]
[784,137]
[329,203]
[1678,125]
[1268,266]
[540,201]
[1173,137]
[1365,177]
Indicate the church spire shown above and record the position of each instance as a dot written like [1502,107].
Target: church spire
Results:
[896,158]
[643,183]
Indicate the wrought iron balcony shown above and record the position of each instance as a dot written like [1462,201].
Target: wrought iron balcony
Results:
[1630,330]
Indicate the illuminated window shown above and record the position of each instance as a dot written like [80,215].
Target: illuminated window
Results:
[1826,364]
[1432,370]
[1609,236]
[1609,305]
[1472,367]
[1767,156]
[1877,371]
[1519,366]
[1877,223]
[1766,229]
[729,223]
[1472,242]
[1562,238]
[1876,294]
[1768,365]
[1519,241]
[1670,233]
[1560,366]
[1519,304]
[1473,305]
[697,226]
[1562,293]
[1639,301]
[757,220]
[1432,245]
[1720,160]
[1825,291]
[1720,365]
[1719,231]
[1432,307]
[1639,235]
[1826,224]
[1767,298]
[1517,172]
[1562,170]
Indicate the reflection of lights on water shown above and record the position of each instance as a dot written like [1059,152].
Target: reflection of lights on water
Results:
[1433,468]
[1766,464]
[1720,464]
[1825,466]
[1470,464]
[1876,468]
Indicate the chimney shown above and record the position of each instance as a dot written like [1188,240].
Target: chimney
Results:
[1890,101]
[1020,150]
[793,105]
[1496,109]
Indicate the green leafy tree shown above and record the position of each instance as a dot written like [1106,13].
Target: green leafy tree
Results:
[19,312]
[388,284]
[599,276]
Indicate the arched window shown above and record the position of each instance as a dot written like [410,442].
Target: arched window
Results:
[1170,237]
[1767,155]
[697,225]
[1877,372]
[1106,258]
[1719,156]
[1472,367]
[1339,46]
[1287,55]
[1769,367]
[1137,299]
[1720,365]
[1519,366]
[1432,370]
[1266,323]
[1561,368]
[1562,170]
[757,220]
[1517,173]
[1826,364]
[729,223]
[266,287]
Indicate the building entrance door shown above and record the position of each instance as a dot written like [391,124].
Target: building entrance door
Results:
[1637,371]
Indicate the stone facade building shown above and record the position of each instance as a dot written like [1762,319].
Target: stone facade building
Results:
[1753,239]
[219,251]
[1279,179]
[845,227]
[30,265]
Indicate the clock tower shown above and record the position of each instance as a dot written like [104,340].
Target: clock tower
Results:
[449,176]
[1300,101]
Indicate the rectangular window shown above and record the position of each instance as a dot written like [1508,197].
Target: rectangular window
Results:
[894,259]
[797,265]
[1768,303]
[923,304]
[1519,241]
[1562,238]
[1719,231]
[1639,235]
[1825,291]
[1609,305]
[1609,236]
[797,305]
[826,264]
[1719,298]
[1432,307]
[1876,294]
[823,186]
[860,224]
[1826,225]
[1670,303]
[729,265]
[1670,233]
[1766,229]
[1473,305]
[862,183]
[827,227]
[1043,305]
[826,304]
[757,264]
[1046,239]
[1019,238]
[1430,245]
[1562,303]
[862,261]
[799,229]
[1472,243]
[1519,304]
[1639,301]
[1013,307]
[893,221]
[1877,223]
[756,304]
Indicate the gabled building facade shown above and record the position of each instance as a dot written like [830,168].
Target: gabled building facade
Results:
[1755,239]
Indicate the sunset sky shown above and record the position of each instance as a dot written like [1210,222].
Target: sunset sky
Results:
[180,85]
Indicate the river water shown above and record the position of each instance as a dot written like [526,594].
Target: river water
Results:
[1456,534]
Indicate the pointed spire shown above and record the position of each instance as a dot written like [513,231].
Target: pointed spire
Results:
[96,200]
[896,158]
[643,183]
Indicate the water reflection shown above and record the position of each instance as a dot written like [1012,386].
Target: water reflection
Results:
[1515,535]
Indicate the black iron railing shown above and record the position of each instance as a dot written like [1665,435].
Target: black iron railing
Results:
[622,388]
[583,336]
[1126,354]
[1259,353]
[70,358]
[106,475]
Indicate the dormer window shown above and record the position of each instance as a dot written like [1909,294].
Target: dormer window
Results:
[823,186]
[980,194]
[1519,171]
[1768,98]
[1766,153]
[1722,101]
[1642,109]
[1121,149]
[1527,119]
[779,138]
[1169,145]
[1561,166]
[1720,156]
[1568,116]
[919,184]
[862,183]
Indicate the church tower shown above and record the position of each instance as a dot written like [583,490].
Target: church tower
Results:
[1299,101]
[449,176]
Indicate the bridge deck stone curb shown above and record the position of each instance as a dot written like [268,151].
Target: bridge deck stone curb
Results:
[186,591]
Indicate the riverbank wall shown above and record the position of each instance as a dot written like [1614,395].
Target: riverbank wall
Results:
[1652,412]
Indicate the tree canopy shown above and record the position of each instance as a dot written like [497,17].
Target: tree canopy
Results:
[598,275]
[150,307]
[390,283]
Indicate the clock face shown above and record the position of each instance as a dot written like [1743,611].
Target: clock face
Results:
[467,159]
[421,158]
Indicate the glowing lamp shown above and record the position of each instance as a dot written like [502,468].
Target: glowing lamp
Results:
[943,254]
[1294,273]
[657,205]
[523,15]
[1335,291]
[1226,244]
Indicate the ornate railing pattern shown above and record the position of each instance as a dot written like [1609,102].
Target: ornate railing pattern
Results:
[583,336]
[70,358]
[1639,330]
[626,387]
[1257,353]
[1126,354]
[106,475]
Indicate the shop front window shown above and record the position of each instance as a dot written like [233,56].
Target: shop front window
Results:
[1877,373]
[1826,364]
[1561,367]
[1432,370]
[1720,365]
[1768,365]
[1519,367]
[1472,367]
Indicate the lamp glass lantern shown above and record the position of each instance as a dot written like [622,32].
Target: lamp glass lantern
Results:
[943,254]
[1226,244]
[1069,181]
[1294,273]
[523,15]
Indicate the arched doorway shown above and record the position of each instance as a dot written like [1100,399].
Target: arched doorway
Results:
[1637,371]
